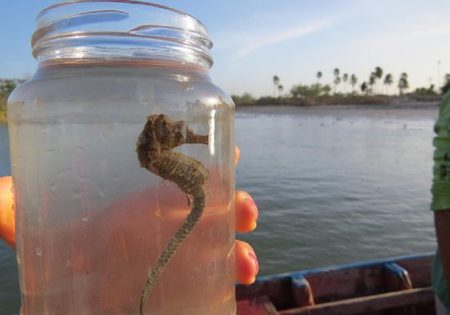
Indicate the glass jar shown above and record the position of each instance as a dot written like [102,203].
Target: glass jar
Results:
[115,140]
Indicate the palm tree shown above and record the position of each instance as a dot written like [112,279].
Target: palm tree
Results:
[353,81]
[337,79]
[319,76]
[363,87]
[280,90]
[388,80]
[372,80]
[276,82]
[403,83]
[378,73]
[336,72]
[345,79]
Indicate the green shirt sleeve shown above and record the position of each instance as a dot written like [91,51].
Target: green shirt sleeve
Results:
[441,169]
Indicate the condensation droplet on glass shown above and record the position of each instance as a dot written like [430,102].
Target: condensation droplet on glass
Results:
[84,217]
[38,251]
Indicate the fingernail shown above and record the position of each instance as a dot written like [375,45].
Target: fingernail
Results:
[251,281]
[253,226]
[252,205]
[255,260]
[249,202]
[246,196]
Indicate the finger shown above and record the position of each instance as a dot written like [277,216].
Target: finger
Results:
[237,153]
[246,212]
[7,213]
[247,266]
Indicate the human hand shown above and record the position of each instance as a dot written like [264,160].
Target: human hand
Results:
[246,216]
[247,266]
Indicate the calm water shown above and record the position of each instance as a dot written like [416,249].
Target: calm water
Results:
[332,185]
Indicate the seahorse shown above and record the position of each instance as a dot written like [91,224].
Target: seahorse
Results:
[154,149]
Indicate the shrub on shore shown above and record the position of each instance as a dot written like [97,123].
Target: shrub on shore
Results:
[2,109]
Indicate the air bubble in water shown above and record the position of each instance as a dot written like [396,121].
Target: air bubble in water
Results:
[84,218]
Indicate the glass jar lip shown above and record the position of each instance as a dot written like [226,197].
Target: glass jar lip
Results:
[138,2]
[93,28]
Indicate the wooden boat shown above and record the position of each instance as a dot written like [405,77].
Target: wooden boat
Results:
[399,285]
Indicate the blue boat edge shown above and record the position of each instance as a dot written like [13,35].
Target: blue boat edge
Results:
[393,285]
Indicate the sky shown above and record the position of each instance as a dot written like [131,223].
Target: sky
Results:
[293,39]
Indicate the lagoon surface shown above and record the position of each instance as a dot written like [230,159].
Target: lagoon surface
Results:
[333,185]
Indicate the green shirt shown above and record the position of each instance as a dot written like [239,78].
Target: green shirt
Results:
[441,189]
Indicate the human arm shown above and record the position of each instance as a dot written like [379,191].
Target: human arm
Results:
[442,224]
[441,201]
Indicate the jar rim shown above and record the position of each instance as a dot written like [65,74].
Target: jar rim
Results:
[120,29]
[138,2]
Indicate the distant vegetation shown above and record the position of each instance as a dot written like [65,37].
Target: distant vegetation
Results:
[6,87]
[345,88]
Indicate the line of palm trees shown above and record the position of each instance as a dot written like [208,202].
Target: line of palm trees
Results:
[370,86]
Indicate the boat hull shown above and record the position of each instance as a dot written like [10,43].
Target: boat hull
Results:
[400,285]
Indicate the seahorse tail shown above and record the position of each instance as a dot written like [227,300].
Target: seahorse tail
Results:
[185,171]
[174,243]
